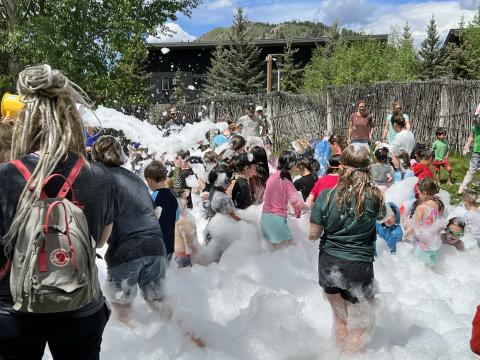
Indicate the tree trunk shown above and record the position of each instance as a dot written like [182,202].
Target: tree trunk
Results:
[12,16]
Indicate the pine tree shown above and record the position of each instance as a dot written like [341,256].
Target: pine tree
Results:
[430,52]
[179,91]
[215,83]
[406,60]
[472,48]
[243,74]
[290,72]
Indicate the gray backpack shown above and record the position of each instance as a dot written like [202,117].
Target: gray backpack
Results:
[53,266]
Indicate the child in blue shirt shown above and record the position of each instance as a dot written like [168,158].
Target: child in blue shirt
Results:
[390,230]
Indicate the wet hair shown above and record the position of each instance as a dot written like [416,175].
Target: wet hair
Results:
[394,105]
[430,188]
[210,157]
[404,158]
[440,131]
[470,197]
[334,164]
[220,177]
[381,154]
[315,165]
[6,132]
[456,221]
[261,162]
[286,162]
[355,181]
[108,151]
[237,142]
[399,120]
[305,163]
[416,150]
[183,154]
[155,171]
[425,154]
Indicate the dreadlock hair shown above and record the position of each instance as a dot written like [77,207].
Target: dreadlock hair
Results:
[50,124]
[355,181]
[5,142]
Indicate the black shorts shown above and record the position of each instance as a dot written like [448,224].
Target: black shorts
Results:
[353,280]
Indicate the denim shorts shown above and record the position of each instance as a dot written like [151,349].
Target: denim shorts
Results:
[147,272]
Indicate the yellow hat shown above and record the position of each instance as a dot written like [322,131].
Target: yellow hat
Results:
[11,105]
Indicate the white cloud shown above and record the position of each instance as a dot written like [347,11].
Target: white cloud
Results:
[346,11]
[219,4]
[174,33]
[447,16]
[469,4]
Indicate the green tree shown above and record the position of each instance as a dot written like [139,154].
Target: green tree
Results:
[242,74]
[472,46]
[100,45]
[179,90]
[404,61]
[215,83]
[430,52]
[455,62]
[290,72]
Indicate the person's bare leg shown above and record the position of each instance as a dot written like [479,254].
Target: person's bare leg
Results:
[360,325]
[162,307]
[340,315]
[122,313]
[282,245]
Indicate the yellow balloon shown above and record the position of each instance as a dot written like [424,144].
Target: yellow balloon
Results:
[11,105]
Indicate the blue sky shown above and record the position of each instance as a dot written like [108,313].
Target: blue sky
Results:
[370,16]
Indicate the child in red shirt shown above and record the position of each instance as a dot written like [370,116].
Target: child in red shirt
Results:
[475,339]
[328,181]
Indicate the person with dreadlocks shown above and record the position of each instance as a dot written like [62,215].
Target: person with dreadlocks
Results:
[345,219]
[49,139]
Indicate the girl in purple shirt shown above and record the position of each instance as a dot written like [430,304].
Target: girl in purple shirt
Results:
[278,193]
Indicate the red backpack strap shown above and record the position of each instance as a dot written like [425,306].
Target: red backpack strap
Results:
[71,178]
[5,269]
[22,169]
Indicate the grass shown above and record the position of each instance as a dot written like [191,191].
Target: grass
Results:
[459,166]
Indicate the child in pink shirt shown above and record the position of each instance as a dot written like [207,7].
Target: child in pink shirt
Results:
[278,193]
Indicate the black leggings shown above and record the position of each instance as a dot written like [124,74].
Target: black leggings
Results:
[24,336]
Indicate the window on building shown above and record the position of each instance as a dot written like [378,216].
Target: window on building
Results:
[168,83]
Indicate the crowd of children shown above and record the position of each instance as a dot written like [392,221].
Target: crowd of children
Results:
[339,185]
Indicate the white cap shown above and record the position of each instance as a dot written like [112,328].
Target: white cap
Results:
[259,108]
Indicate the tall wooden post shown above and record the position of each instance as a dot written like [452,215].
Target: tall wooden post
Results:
[443,103]
[329,109]
[269,73]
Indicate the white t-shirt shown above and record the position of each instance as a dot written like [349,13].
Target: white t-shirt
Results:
[403,141]
[250,126]
[472,224]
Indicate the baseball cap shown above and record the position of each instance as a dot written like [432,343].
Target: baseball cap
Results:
[244,160]
[259,108]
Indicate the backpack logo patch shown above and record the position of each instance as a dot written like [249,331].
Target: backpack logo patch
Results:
[59,257]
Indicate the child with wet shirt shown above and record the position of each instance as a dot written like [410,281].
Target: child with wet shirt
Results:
[186,243]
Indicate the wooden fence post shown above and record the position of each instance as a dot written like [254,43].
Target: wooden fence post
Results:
[443,102]
[329,109]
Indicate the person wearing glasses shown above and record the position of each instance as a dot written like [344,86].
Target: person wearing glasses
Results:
[389,132]
[453,233]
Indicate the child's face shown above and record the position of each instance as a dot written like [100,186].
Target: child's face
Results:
[390,221]
[422,195]
[442,137]
[454,233]
[250,171]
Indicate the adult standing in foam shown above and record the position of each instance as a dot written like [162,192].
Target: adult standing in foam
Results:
[361,126]
[49,139]
[250,124]
[345,218]
[389,132]
[136,253]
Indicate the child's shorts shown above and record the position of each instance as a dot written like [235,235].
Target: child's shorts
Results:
[353,280]
[438,164]
[428,257]
[274,228]
[147,272]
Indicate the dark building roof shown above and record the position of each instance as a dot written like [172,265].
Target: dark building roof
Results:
[452,37]
[260,43]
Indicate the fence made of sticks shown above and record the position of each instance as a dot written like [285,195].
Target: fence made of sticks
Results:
[429,104]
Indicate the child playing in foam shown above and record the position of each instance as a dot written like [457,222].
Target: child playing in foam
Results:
[472,216]
[279,192]
[453,233]
[382,171]
[424,228]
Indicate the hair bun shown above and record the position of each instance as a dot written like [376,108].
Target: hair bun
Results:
[41,80]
